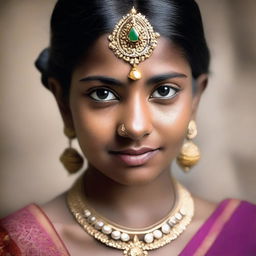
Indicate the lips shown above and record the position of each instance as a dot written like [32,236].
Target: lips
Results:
[135,157]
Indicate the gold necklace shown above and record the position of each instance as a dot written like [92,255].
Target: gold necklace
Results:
[133,242]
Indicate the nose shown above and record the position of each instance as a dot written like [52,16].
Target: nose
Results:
[136,119]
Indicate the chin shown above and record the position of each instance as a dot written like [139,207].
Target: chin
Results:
[137,176]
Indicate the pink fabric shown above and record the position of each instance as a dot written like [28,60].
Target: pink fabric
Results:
[229,231]
[26,228]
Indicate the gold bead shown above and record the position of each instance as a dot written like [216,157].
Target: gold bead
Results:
[69,133]
[135,74]
[72,160]
[188,156]
[133,11]
[192,130]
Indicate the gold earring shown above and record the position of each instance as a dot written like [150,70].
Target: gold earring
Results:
[70,158]
[189,154]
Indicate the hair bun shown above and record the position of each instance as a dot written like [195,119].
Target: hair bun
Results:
[42,63]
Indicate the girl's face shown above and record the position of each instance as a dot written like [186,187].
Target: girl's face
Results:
[155,110]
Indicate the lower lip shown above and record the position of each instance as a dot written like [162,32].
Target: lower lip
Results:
[137,160]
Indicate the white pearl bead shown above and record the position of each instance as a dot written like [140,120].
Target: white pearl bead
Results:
[178,216]
[91,219]
[106,230]
[157,234]
[116,234]
[99,225]
[149,238]
[87,213]
[166,228]
[172,221]
[183,211]
[125,237]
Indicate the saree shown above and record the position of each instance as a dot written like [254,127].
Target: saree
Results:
[229,231]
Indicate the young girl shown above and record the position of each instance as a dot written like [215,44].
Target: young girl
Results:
[128,77]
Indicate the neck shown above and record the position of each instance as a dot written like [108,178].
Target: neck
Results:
[132,206]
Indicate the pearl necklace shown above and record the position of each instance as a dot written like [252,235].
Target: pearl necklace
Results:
[127,239]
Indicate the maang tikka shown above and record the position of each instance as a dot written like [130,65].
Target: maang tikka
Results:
[133,40]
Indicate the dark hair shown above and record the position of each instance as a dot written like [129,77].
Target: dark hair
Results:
[76,24]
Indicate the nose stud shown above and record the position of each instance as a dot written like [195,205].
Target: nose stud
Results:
[121,130]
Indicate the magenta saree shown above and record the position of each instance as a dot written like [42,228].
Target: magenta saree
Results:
[229,231]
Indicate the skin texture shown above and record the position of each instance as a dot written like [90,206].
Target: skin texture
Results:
[151,122]
[133,195]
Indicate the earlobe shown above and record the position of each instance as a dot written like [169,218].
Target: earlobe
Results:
[200,85]
[62,101]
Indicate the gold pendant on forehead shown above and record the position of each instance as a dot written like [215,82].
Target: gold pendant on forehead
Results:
[133,40]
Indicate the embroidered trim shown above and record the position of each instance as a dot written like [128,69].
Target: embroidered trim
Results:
[26,228]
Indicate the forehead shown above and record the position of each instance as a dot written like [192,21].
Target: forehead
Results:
[100,60]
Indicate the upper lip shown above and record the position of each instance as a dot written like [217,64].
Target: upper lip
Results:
[134,151]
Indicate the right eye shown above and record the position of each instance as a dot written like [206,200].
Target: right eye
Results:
[102,94]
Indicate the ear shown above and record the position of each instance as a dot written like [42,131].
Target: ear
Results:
[200,85]
[62,101]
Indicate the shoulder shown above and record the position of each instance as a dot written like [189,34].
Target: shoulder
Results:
[235,227]
[31,233]
[237,212]
[229,209]
[229,230]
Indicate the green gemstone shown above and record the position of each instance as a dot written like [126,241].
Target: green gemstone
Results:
[133,35]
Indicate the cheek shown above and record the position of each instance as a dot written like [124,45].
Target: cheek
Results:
[172,122]
[93,126]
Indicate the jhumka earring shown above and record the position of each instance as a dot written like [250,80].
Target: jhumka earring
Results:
[70,158]
[189,154]
[133,40]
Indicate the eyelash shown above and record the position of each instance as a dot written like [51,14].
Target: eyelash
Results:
[102,89]
[115,97]
[170,87]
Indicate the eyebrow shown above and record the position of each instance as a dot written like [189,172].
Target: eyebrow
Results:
[103,79]
[163,77]
[152,80]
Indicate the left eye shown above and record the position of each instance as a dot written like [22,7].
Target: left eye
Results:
[164,91]
[102,95]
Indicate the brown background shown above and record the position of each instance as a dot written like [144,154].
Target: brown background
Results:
[31,128]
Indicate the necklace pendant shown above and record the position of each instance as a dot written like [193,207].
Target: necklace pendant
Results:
[135,248]
[135,251]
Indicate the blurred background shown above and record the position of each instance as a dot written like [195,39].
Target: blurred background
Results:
[31,128]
